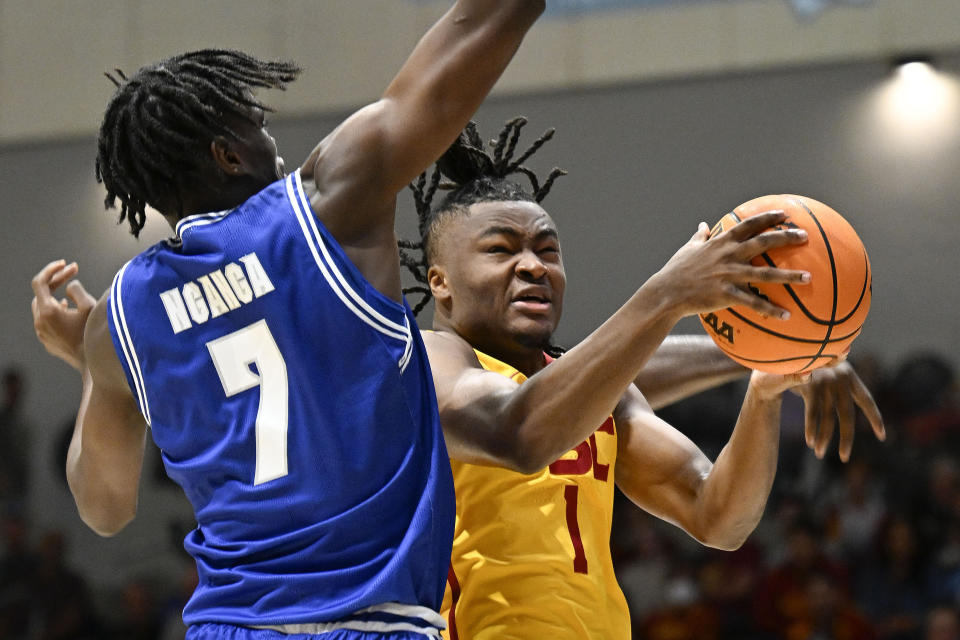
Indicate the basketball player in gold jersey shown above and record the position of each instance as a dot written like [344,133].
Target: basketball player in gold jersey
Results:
[531,556]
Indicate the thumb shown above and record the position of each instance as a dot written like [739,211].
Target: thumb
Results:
[80,296]
[703,232]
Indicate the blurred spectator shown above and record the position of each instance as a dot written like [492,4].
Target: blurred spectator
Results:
[643,557]
[14,442]
[925,400]
[943,623]
[728,582]
[782,598]
[62,604]
[171,613]
[827,614]
[684,616]
[854,510]
[939,504]
[139,616]
[17,568]
[693,621]
[892,589]
[943,577]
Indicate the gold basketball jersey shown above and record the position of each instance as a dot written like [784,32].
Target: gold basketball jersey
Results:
[531,553]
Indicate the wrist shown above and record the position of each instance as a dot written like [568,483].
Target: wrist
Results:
[661,299]
[768,387]
[78,362]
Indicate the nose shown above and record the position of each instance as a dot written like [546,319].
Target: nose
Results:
[530,267]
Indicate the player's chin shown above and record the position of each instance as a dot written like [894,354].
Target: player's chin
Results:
[533,334]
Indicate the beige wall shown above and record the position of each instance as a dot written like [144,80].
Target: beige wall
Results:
[52,52]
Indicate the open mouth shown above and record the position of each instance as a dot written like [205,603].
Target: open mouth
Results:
[534,299]
[532,303]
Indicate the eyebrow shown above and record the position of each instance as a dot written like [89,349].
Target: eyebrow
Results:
[513,233]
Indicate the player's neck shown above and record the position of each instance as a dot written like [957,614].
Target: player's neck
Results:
[528,360]
[227,198]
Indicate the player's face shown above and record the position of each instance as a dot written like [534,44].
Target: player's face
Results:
[258,148]
[505,275]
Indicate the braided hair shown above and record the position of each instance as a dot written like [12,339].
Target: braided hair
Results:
[158,126]
[471,176]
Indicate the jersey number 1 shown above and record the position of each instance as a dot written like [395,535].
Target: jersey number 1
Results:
[232,356]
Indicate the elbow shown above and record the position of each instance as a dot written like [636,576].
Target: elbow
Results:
[524,456]
[106,515]
[725,537]
[527,464]
[107,524]
[724,543]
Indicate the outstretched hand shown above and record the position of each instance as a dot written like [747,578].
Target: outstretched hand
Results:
[59,326]
[831,396]
[711,273]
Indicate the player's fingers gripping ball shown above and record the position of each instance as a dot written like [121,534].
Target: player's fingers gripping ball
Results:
[826,315]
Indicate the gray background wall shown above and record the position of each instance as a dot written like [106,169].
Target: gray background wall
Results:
[649,157]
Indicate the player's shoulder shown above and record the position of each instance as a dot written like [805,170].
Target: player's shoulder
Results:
[446,349]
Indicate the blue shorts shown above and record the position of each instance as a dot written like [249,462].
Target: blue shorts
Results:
[213,631]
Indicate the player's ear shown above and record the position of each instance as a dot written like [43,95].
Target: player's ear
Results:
[438,283]
[226,157]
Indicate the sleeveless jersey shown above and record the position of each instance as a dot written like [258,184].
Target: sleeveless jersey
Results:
[531,553]
[294,405]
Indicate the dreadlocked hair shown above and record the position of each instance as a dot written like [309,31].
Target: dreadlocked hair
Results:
[470,175]
[158,126]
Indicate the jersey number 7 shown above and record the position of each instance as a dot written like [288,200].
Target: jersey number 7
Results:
[232,356]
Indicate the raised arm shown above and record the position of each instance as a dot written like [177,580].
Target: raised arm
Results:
[359,168]
[664,473]
[105,458]
[488,419]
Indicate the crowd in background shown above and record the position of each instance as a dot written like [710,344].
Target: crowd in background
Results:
[869,550]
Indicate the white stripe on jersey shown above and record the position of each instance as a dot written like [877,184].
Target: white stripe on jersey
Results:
[305,208]
[200,219]
[429,616]
[335,278]
[126,342]
[407,351]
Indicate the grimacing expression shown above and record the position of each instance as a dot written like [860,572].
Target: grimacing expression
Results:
[504,279]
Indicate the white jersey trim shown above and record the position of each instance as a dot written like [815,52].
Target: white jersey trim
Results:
[126,342]
[200,219]
[328,267]
[428,616]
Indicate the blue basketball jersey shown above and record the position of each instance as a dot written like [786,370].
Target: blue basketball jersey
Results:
[294,405]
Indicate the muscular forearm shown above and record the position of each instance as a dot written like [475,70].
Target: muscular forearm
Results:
[565,402]
[734,494]
[684,366]
[103,468]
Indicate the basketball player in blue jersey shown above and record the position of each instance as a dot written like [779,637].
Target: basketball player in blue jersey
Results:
[267,344]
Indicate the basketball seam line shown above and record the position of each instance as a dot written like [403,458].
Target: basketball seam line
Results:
[833,270]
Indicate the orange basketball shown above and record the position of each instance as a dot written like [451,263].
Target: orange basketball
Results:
[825,315]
